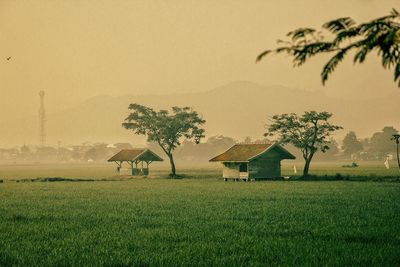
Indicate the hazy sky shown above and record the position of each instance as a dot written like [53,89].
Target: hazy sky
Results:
[78,49]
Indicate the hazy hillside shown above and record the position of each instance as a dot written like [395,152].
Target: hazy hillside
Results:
[237,109]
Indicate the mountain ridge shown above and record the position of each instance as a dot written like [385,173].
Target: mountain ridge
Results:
[237,109]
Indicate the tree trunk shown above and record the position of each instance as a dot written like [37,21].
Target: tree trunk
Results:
[171,161]
[307,165]
[306,168]
[398,159]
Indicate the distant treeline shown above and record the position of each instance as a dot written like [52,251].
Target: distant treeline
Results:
[377,147]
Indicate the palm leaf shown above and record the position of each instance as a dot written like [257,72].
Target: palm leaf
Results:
[339,25]
[287,49]
[397,73]
[332,64]
[300,33]
[309,50]
[263,54]
[381,34]
[346,35]
[361,55]
[279,41]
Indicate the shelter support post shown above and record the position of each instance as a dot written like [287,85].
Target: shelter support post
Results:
[119,166]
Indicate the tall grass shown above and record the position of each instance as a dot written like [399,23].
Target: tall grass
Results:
[199,222]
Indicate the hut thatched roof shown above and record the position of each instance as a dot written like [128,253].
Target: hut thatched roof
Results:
[137,154]
[246,152]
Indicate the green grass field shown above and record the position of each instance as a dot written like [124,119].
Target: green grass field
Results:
[201,221]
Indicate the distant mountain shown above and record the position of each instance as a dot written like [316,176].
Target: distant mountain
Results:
[237,109]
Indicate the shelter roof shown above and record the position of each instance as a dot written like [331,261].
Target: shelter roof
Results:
[246,152]
[137,154]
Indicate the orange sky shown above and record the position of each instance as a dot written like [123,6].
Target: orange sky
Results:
[78,49]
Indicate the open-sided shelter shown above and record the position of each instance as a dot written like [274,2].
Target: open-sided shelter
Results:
[138,159]
[252,161]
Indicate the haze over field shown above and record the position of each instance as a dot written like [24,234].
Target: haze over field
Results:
[93,58]
[238,109]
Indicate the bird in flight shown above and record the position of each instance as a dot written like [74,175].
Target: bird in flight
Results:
[8,58]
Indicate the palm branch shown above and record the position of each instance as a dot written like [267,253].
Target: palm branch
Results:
[381,35]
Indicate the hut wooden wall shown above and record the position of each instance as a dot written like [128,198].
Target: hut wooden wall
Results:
[266,166]
[230,170]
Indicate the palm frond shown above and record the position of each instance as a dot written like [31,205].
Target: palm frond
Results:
[300,33]
[392,37]
[361,55]
[279,41]
[287,49]
[381,35]
[397,73]
[307,51]
[390,55]
[339,25]
[332,64]
[263,54]
[393,14]
[346,35]
[376,27]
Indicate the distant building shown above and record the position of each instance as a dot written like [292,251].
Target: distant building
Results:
[138,160]
[252,161]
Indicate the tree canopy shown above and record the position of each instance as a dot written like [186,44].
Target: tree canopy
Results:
[310,132]
[351,145]
[380,143]
[381,35]
[164,128]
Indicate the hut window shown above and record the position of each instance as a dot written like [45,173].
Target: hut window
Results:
[243,167]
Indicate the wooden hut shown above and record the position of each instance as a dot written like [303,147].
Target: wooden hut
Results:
[252,161]
[138,159]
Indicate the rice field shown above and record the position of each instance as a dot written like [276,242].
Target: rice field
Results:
[195,221]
